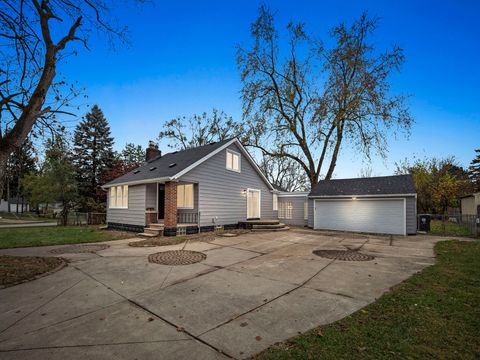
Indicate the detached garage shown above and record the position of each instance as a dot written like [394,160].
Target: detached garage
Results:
[382,205]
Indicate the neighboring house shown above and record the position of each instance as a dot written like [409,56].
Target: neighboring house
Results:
[53,207]
[219,186]
[470,204]
[199,189]
[14,206]
[384,205]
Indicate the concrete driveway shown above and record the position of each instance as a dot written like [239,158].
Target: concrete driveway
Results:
[250,292]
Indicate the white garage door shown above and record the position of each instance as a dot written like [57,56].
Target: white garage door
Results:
[385,216]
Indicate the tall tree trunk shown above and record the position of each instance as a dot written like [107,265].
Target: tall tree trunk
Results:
[8,195]
[336,150]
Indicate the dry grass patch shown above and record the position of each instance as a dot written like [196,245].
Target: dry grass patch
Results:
[18,269]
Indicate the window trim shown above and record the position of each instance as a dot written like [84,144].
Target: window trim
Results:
[193,196]
[239,161]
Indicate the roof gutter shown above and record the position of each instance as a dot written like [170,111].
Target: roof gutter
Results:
[358,196]
[138,182]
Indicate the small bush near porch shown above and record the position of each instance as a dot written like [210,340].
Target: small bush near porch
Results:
[433,315]
[56,235]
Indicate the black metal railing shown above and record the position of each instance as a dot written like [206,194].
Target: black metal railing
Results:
[188,217]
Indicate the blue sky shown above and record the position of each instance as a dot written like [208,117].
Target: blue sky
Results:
[182,61]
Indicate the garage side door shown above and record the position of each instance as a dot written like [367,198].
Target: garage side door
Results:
[384,216]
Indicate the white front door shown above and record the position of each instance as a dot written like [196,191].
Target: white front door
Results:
[253,204]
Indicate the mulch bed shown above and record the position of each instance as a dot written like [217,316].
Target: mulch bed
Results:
[18,269]
[173,240]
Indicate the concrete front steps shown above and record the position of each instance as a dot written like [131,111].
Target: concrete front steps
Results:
[279,227]
[265,225]
[152,231]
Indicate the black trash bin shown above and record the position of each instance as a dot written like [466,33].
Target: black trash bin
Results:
[424,222]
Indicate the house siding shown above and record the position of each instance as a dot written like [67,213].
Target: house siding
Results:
[297,209]
[220,190]
[135,214]
[411,215]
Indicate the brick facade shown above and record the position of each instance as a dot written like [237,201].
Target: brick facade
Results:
[170,220]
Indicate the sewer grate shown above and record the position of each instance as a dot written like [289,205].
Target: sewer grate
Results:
[79,249]
[176,257]
[344,255]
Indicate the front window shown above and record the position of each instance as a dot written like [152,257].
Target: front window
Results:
[275,202]
[119,197]
[233,161]
[185,196]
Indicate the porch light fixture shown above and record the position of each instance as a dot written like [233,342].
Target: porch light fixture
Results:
[354,198]
[244,192]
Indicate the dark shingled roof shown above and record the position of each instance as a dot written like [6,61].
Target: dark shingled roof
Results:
[383,185]
[169,164]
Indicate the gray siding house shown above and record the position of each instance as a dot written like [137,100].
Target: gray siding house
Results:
[220,186]
[200,189]
[385,205]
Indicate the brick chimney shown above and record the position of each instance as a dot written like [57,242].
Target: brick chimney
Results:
[152,151]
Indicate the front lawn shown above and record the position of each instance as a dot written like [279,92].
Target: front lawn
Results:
[438,227]
[56,235]
[433,315]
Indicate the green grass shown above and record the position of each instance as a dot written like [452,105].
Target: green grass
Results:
[433,315]
[56,235]
[451,229]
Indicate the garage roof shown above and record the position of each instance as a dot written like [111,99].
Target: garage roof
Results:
[373,186]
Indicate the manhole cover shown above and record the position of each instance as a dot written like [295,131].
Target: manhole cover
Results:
[345,255]
[176,257]
[79,249]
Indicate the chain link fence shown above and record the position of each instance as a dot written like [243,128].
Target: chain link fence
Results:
[84,218]
[455,225]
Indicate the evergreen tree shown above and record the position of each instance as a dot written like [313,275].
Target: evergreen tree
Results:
[93,154]
[132,154]
[474,170]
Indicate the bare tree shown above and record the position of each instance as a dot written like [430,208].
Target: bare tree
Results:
[34,37]
[285,173]
[197,130]
[306,102]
